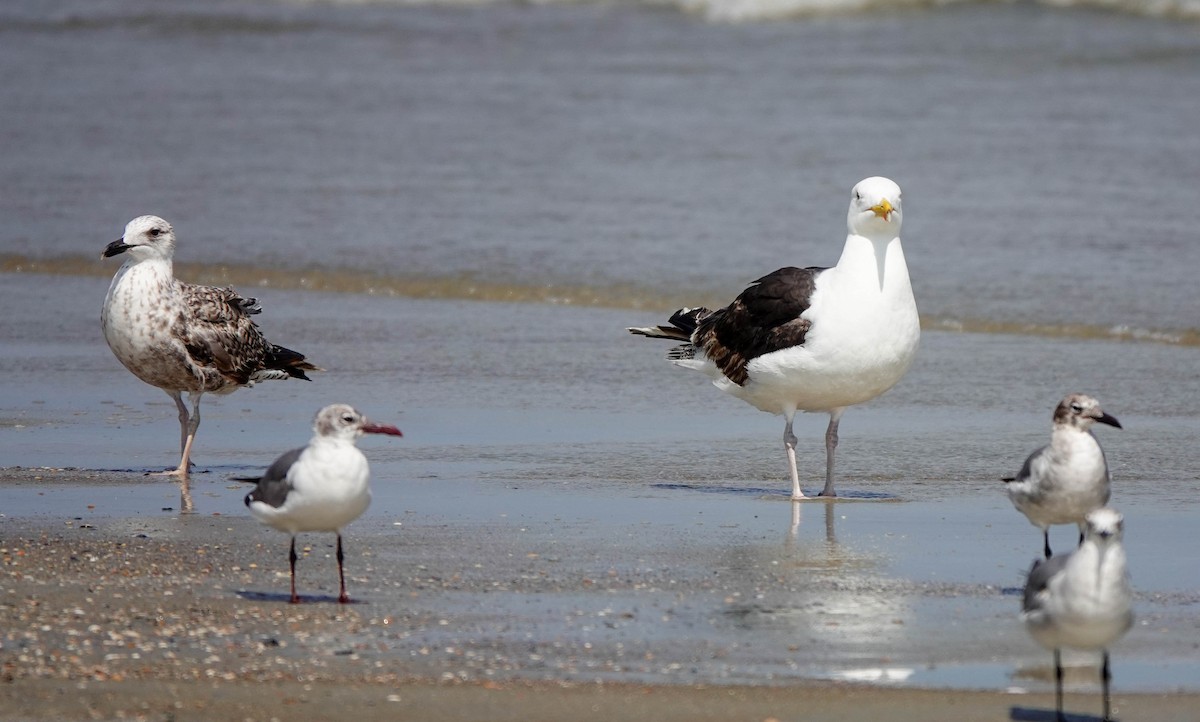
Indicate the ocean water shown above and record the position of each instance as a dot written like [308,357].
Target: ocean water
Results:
[457,208]
[614,154]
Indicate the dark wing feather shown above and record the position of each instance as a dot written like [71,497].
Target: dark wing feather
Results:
[1039,577]
[1026,468]
[219,334]
[683,325]
[273,485]
[764,318]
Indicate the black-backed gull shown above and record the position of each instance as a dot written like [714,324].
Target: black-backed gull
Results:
[814,339]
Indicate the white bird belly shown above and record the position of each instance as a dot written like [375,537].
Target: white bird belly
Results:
[843,362]
[139,333]
[329,490]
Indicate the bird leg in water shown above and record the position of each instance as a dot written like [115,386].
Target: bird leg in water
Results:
[789,443]
[831,442]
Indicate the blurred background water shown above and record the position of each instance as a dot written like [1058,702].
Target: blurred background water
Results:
[617,154]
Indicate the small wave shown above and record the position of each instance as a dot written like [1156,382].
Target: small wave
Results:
[714,11]
[470,288]
[1185,337]
[748,11]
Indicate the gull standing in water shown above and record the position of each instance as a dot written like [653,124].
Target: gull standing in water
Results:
[319,487]
[183,337]
[1064,480]
[813,339]
[1082,600]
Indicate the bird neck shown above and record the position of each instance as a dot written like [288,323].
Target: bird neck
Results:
[879,258]
[1103,562]
[163,267]
[331,441]
[1066,440]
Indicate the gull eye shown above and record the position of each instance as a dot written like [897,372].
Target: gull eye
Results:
[1076,408]
[348,418]
[156,232]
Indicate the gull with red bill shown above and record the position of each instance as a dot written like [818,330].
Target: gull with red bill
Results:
[319,487]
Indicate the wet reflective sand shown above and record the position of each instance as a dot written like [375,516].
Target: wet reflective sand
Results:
[565,506]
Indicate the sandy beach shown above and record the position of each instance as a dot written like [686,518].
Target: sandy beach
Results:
[156,615]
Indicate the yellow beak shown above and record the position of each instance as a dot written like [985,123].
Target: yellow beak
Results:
[883,210]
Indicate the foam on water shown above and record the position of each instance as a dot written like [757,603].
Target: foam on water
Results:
[739,11]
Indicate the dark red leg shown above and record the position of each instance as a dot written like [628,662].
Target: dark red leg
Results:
[292,561]
[342,597]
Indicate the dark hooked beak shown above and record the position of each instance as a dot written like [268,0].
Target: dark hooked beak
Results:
[1110,420]
[115,248]
[388,429]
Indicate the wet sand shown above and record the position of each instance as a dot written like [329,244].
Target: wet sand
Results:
[157,615]
[569,523]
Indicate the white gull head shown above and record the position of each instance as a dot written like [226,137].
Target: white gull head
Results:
[1105,526]
[875,210]
[145,237]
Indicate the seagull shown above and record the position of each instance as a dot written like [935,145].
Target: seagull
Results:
[813,339]
[184,337]
[1082,600]
[319,487]
[1064,480]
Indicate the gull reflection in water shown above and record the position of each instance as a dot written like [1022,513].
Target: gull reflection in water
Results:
[826,597]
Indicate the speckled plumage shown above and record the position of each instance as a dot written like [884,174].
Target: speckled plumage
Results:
[183,337]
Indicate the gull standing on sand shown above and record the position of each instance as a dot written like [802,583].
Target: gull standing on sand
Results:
[183,337]
[1082,600]
[1064,480]
[813,339]
[319,487]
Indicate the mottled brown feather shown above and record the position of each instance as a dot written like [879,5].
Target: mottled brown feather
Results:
[219,334]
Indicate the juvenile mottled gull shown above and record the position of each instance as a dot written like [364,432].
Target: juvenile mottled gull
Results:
[813,339]
[1064,480]
[183,337]
[1082,600]
[319,487]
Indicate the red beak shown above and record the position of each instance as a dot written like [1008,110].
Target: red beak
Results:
[381,429]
